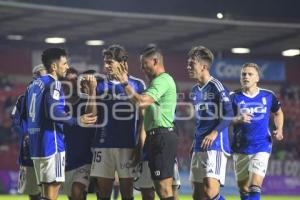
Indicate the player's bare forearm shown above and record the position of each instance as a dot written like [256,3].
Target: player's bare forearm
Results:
[91,104]
[141,100]
[279,119]
[141,129]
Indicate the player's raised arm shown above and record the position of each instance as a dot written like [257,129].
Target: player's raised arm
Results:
[141,100]
[56,111]
[91,84]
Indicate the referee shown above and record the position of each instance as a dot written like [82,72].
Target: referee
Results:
[158,102]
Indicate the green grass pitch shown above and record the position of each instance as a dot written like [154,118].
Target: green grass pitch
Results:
[138,197]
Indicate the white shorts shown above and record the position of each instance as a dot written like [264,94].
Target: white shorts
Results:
[245,165]
[144,180]
[107,161]
[80,175]
[27,182]
[208,164]
[50,169]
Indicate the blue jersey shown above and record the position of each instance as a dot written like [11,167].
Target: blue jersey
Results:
[45,116]
[20,126]
[213,112]
[78,141]
[254,137]
[118,117]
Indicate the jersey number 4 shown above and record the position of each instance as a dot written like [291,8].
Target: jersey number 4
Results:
[32,107]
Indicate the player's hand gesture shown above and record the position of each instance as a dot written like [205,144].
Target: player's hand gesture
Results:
[209,139]
[91,81]
[88,84]
[119,71]
[87,119]
[244,118]
[278,134]
[135,157]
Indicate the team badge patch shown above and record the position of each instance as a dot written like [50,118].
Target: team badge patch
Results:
[56,95]
[224,97]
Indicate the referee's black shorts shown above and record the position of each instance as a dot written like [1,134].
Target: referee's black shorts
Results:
[161,150]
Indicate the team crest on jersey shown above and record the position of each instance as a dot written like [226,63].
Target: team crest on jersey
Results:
[264,100]
[224,97]
[56,95]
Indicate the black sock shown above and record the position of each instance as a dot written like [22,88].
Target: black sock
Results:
[104,198]
[116,192]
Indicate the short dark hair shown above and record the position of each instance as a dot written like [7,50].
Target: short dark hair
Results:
[253,65]
[89,72]
[201,53]
[152,50]
[51,55]
[116,52]
[72,71]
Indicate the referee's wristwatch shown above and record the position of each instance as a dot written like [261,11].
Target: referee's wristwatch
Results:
[124,84]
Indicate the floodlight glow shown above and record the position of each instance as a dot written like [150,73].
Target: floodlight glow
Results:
[240,50]
[94,42]
[14,37]
[290,52]
[220,15]
[55,40]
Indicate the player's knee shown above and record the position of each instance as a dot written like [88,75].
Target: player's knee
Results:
[211,192]
[254,189]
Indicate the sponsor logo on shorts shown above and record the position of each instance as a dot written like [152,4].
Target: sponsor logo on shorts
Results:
[157,173]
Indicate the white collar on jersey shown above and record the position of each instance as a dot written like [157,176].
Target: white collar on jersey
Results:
[254,95]
[200,88]
[51,76]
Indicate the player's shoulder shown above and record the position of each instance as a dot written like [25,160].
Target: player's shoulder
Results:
[266,92]
[237,92]
[195,87]
[165,77]
[218,86]
[136,80]
[20,97]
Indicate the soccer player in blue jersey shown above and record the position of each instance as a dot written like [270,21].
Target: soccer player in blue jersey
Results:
[116,141]
[45,115]
[27,183]
[252,142]
[213,111]
[78,139]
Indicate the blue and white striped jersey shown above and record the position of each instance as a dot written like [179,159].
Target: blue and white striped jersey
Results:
[118,117]
[213,111]
[45,117]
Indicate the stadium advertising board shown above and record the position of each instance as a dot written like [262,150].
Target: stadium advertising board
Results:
[230,69]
